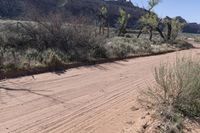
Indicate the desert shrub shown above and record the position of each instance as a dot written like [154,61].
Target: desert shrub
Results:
[49,42]
[122,50]
[43,33]
[52,59]
[123,47]
[77,40]
[197,39]
[177,92]
[83,44]
[10,67]
[180,43]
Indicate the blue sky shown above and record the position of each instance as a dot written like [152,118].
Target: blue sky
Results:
[188,9]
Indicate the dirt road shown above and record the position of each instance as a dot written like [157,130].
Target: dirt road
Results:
[95,99]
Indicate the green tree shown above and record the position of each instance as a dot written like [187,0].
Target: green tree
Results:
[152,4]
[103,20]
[172,27]
[150,20]
[123,20]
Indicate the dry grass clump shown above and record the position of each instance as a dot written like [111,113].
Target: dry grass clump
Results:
[177,93]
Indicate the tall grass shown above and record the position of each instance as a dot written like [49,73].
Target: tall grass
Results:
[176,94]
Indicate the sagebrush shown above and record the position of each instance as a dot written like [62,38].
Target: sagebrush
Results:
[176,94]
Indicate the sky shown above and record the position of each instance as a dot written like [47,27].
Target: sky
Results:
[188,9]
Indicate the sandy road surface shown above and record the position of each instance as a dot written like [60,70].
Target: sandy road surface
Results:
[96,99]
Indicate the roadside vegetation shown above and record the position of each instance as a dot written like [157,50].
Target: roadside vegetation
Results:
[53,41]
[176,94]
[190,37]
[197,39]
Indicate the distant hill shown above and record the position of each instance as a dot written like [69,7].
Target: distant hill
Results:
[89,8]
[189,27]
[192,28]
[16,9]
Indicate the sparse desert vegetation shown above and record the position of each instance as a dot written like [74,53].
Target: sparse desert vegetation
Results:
[197,39]
[51,42]
[175,95]
[117,44]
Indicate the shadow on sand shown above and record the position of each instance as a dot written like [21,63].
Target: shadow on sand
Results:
[34,92]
